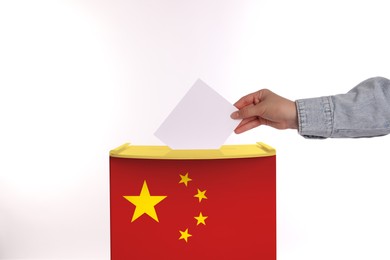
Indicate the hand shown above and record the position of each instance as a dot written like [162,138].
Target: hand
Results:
[265,108]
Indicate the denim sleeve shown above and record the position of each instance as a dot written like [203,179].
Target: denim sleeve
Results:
[362,112]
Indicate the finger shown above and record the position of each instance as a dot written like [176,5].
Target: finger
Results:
[246,100]
[246,120]
[237,114]
[247,126]
[249,111]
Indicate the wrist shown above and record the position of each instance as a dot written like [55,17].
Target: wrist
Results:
[293,119]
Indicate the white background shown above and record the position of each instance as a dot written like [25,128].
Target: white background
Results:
[78,78]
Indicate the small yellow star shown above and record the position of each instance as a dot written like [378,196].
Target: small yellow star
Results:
[185,179]
[184,235]
[201,195]
[144,203]
[201,219]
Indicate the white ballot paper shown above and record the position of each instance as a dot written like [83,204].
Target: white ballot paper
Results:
[201,120]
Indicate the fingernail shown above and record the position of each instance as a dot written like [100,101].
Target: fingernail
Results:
[234,115]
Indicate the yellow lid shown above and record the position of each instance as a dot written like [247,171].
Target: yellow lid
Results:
[164,152]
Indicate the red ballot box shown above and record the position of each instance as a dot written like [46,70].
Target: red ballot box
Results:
[193,204]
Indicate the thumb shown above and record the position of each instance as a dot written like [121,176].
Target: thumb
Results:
[246,112]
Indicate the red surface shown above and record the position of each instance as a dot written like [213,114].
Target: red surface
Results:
[241,209]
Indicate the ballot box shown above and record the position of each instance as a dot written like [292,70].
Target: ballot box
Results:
[193,204]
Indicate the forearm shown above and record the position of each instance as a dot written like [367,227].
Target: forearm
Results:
[362,112]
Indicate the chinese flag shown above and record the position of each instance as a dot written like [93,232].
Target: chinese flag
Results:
[193,209]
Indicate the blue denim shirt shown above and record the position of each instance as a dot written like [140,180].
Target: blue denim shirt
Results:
[362,112]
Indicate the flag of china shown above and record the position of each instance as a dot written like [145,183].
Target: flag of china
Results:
[193,204]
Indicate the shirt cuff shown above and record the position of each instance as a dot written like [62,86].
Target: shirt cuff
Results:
[315,117]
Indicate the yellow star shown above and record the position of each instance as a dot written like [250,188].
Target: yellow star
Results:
[184,235]
[201,219]
[185,179]
[201,195]
[144,203]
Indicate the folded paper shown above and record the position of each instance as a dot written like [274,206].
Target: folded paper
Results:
[201,120]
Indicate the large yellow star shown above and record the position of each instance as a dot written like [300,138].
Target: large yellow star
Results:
[185,179]
[144,203]
[201,219]
[201,195]
[184,235]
